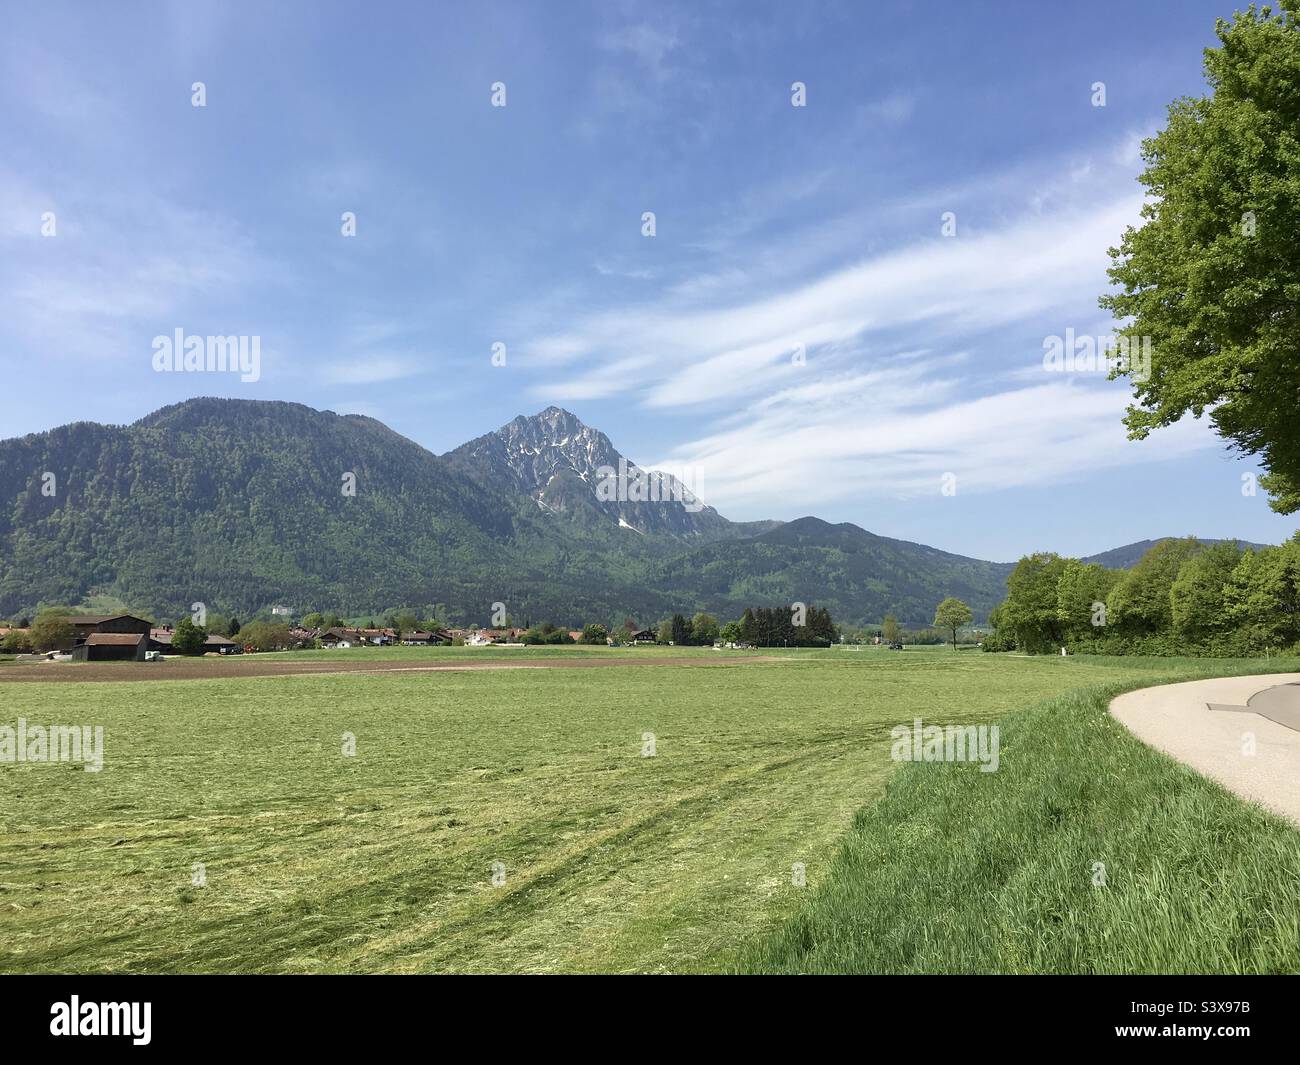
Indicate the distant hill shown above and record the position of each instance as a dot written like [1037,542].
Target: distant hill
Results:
[241,504]
[855,573]
[1127,556]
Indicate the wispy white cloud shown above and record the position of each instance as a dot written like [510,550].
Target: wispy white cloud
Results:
[875,436]
[879,376]
[121,269]
[648,43]
[937,287]
[367,369]
[892,110]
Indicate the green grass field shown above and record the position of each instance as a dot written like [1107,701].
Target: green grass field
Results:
[614,862]
[493,652]
[1086,853]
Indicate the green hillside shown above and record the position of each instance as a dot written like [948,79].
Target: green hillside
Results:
[242,504]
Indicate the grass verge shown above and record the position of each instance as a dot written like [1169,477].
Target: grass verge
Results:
[958,871]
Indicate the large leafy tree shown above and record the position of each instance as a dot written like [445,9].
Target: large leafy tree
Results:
[1082,589]
[188,638]
[950,616]
[1197,596]
[704,629]
[264,636]
[1030,610]
[1140,603]
[50,631]
[890,630]
[1263,595]
[1212,275]
[16,641]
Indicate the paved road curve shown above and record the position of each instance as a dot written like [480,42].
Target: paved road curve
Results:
[1205,724]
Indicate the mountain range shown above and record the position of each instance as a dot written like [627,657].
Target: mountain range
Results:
[1127,556]
[247,504]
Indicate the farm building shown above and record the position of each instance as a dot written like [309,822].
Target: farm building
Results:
[483,637]
[85,625]
[340,637]
[111,647]
[423,639]
[161,640]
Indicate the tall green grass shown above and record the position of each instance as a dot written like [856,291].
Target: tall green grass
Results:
[958,871]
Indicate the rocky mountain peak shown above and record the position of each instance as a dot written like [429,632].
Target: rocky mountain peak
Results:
[560,462]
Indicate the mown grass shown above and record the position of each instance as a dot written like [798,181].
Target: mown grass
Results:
[958,871]
[316,862]
[494,652]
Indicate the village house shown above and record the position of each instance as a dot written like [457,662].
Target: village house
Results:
[345,637]
[339,637]
[160,640]
[425,639]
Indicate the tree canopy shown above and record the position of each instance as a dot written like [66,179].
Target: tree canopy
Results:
[1212,275]
[50,631]
[188,638]
[950,616]
[1182,597]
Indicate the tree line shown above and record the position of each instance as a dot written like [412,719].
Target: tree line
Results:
[780,627]
[1183,597]
[785,626]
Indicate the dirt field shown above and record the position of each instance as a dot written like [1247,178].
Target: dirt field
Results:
[269,665]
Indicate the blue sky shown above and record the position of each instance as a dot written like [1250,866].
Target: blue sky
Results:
[778,229]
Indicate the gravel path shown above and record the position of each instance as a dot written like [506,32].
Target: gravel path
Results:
[1207,724]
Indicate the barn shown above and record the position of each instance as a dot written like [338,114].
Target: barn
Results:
[86,625]
[111,647]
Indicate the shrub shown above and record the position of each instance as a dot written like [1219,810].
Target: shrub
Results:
[16,642]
